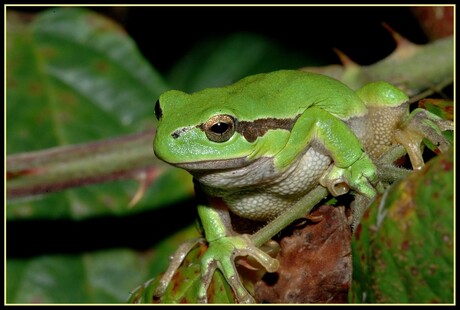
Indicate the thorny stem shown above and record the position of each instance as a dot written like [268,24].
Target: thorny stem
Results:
[64,167]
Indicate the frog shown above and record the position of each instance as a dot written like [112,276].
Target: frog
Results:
[257,146]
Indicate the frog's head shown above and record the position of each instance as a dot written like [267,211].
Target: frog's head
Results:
[207,130]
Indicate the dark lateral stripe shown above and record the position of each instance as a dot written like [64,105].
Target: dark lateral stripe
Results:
[176,134]
[252,130]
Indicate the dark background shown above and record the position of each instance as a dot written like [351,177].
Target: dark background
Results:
[165,34]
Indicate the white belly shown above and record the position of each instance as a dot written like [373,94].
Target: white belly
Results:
[260,193]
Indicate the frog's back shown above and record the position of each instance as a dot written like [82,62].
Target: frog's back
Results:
[287,92]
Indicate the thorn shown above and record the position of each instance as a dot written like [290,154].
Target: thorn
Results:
[344,59]
[145,178]
[402,44]
[396,35]
[351,71]
[399,39]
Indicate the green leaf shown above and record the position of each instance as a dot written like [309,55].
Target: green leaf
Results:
[184,285]
[443,108]
[99,277]
[75,76]
[404,252]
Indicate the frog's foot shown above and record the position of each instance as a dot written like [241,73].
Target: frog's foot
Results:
[359,176]
[176,261]
[221,254]
[422,124]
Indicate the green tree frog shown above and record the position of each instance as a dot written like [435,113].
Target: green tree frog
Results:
[256,147]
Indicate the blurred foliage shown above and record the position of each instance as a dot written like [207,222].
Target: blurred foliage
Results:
[75,76]
[54,100]
[404,248]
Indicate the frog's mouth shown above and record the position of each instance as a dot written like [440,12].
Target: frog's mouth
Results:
[207,165]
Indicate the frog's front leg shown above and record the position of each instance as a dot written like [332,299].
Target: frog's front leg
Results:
[351,168]
[419,125]
[224,248]
[359,175]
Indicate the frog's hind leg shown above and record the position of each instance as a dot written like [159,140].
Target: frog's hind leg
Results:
[422,124]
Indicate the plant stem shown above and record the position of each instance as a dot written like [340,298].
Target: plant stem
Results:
[63,167]
[300,209]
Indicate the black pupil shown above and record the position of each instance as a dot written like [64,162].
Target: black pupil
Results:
[219,127]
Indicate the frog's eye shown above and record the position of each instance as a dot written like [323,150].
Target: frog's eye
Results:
[219,128]
[158,112]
